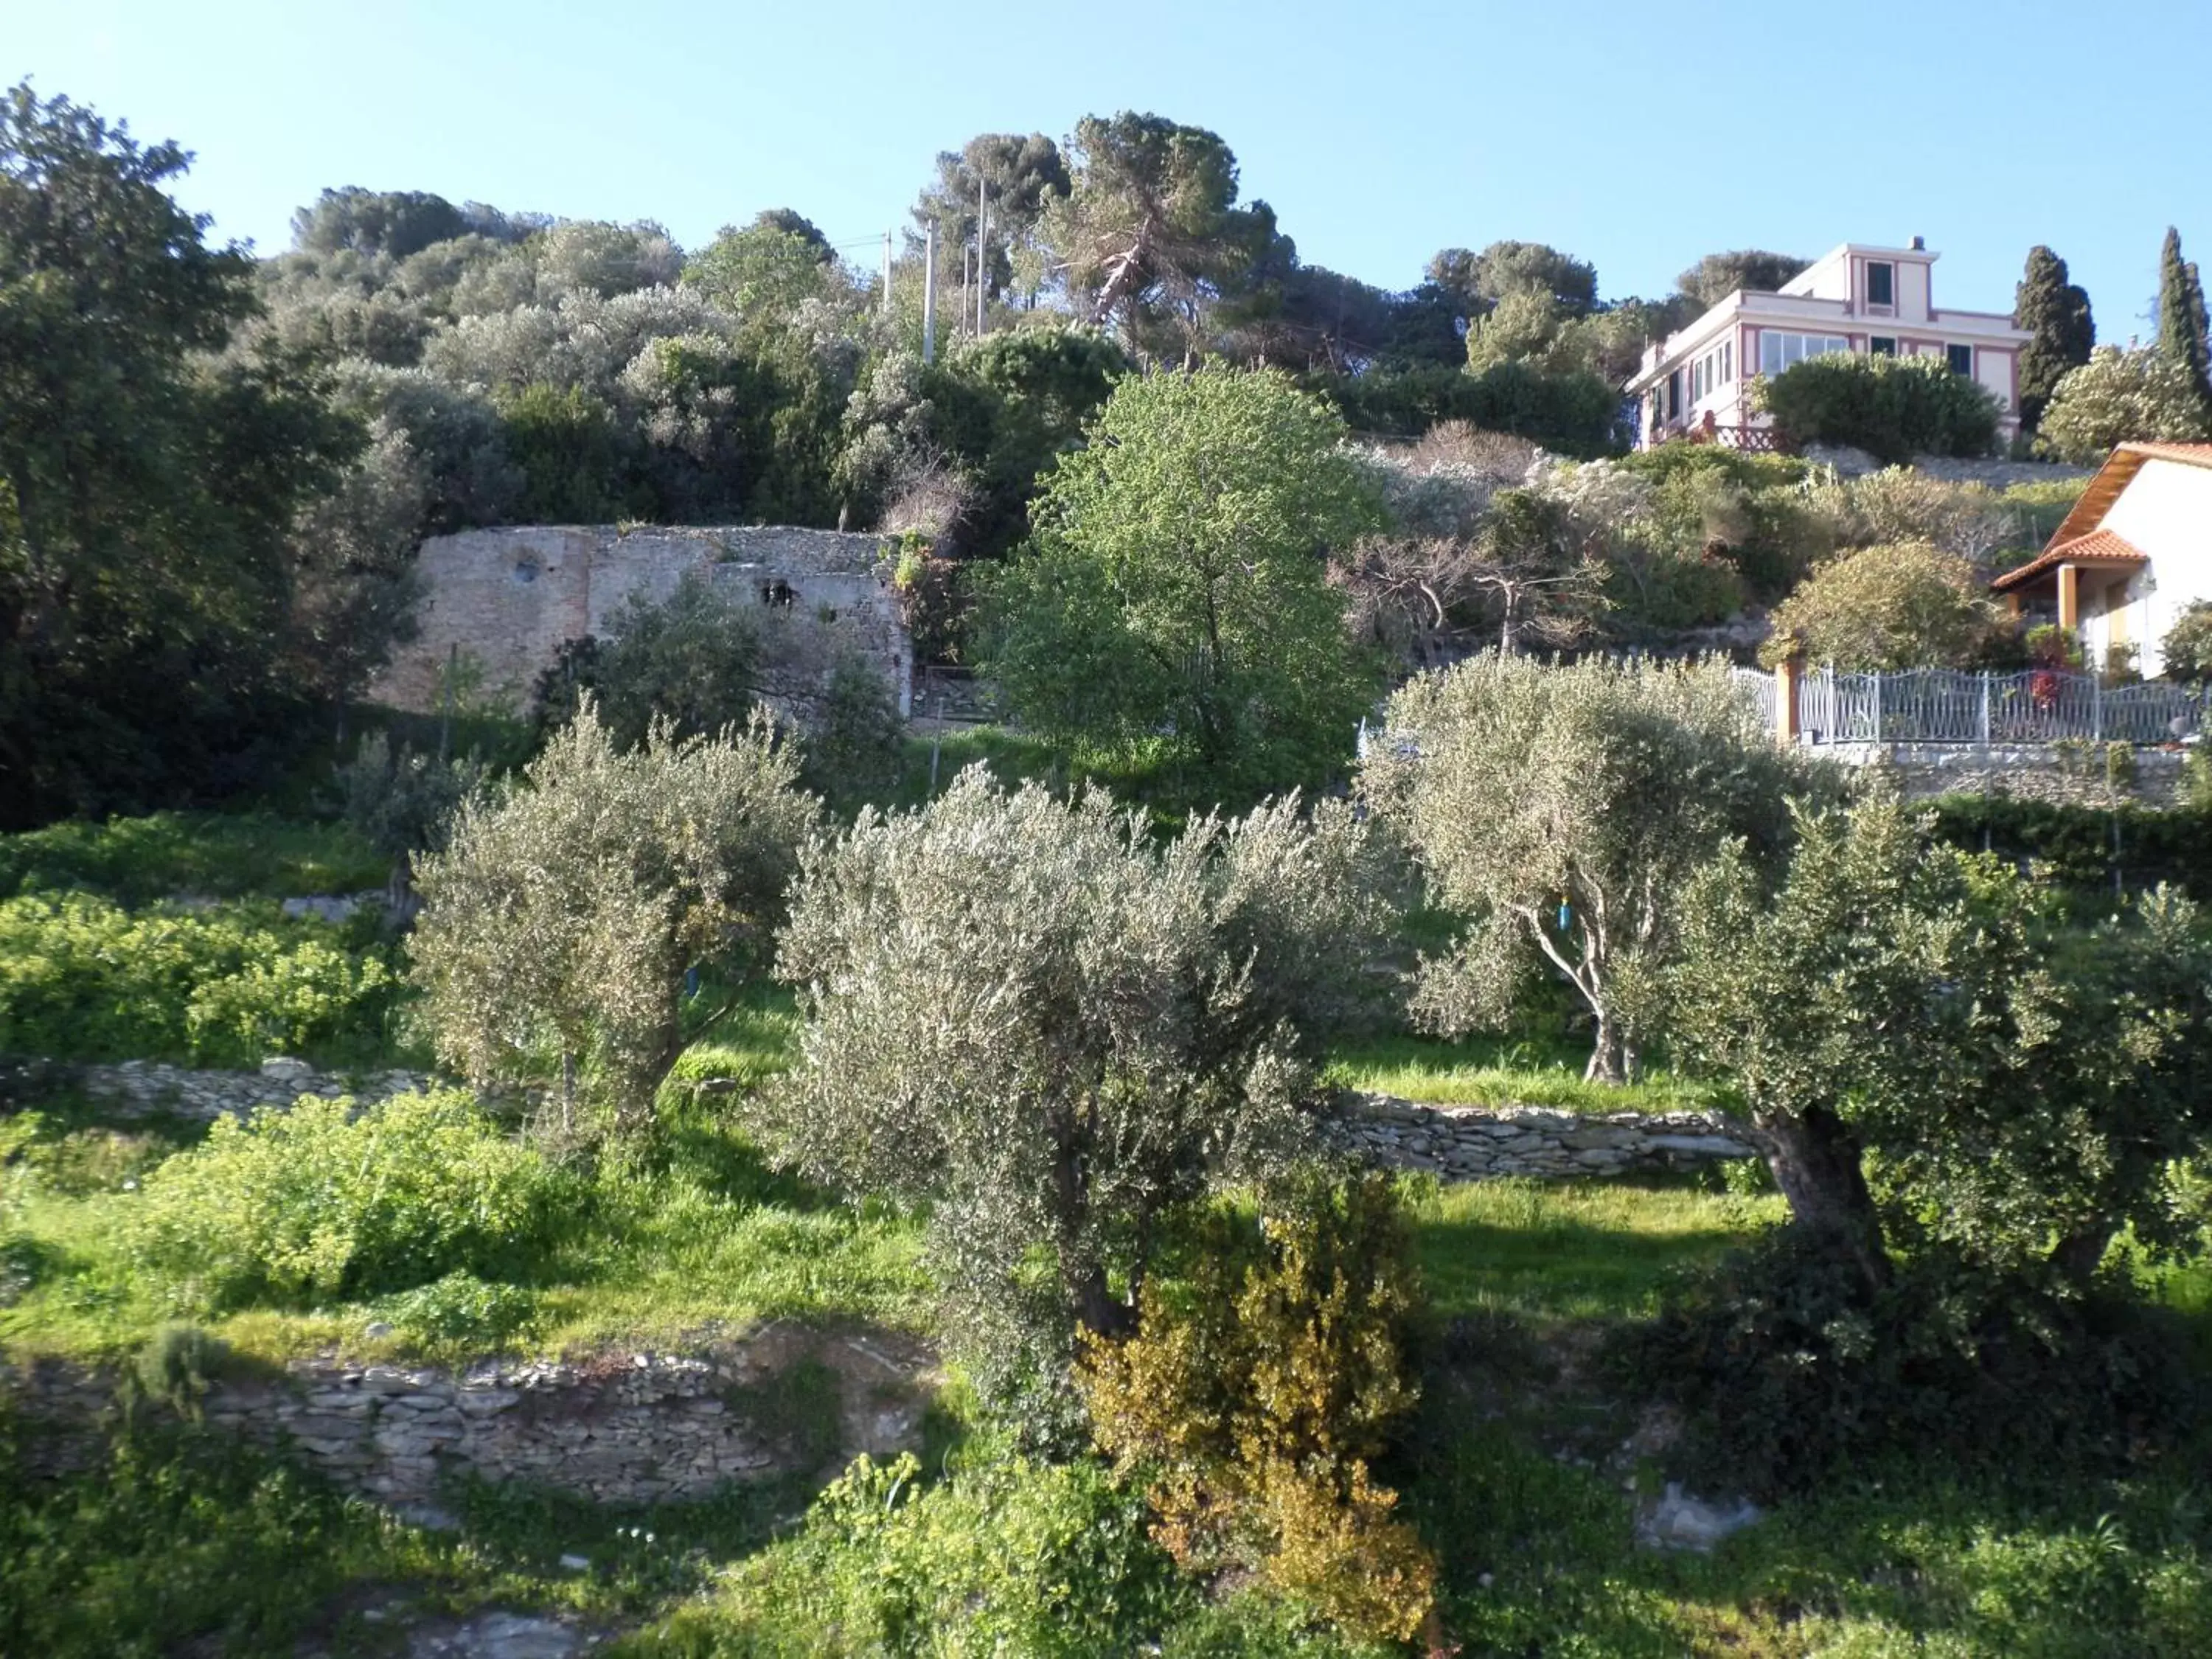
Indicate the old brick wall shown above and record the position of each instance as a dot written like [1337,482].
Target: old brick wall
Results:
[508,597]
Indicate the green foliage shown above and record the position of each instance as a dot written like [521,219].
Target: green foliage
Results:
[178,1542]
[570,454]
[694,659]
[178,1365]
[1572,414]
[1905,606]
[1023,1013]
[1263,1382]
[1894,408]
[1506,269]
[2120,397]
[457,1309]
[148,487]
[2181,320]
[84,978]
[2186,651]
[764,271]
[1789,1367]
[1558,810]
[140,860]
[2056,312]
[1040,1560]
[314,1202]
[1169,191]
[2025,1111]
[853,745]
[1175,603]
[1030,393]
[1717,276]
[560,922]
[2087,851]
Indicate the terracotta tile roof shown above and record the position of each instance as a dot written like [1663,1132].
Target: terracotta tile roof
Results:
[2118,471]
[2098,547]
[2188,454]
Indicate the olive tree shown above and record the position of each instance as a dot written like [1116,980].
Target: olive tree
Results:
[1559,810]
[560,919]
[1025,1013]
[1935,1071]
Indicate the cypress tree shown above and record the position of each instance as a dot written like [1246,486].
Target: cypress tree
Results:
[2056,312]
[2181,320]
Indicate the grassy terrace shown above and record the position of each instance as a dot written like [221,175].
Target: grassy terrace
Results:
[1524,1473]
[1494,1071]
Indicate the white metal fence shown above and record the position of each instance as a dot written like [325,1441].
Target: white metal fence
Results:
[1941,705]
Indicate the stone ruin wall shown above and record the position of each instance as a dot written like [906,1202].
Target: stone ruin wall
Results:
[509,598]
[618,1427]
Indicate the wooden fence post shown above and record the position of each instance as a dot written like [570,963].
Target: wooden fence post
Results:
[1786,674]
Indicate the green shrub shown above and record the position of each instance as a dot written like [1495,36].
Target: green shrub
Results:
[1021,1558]
[1787,1369]
[459,1308]
[2084,848]
[1257,1390]
[294,1205]
[178,1365]
[82,979]
[1908,606]
[2187,647]
[142,860]
[179,1543]
[1893,408]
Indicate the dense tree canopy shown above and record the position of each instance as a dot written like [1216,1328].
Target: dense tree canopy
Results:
[1150,231]
[2182,337]
[150,583]
[1027,1014]
[1560,812]
[1174,605]
[2056,312]
[2117,397]
[1717,276]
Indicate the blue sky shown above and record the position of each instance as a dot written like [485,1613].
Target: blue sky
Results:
[1638,136]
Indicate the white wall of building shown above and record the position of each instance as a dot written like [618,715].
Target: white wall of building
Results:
[2166,512]
[1912,288]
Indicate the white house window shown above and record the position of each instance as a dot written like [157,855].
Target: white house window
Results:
[1881,345]
[1713,371]
[1881,286]
[1962,359]
[1778,351]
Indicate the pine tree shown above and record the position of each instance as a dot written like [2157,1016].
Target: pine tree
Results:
[2056,312]
[2181,319]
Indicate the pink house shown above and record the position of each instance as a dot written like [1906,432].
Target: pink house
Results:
[1856,298]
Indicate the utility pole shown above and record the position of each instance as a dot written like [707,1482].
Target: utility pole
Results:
[887,273]
[929,294]
[982,241]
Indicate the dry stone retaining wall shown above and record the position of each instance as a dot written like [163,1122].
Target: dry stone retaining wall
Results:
[616,1427]
[141,1087]
[2064,776]
[1477,1143]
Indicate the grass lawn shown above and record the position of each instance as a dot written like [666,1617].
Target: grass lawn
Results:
[1497,1072]
[1550,1252]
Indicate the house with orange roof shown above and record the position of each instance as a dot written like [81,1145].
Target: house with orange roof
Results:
[2135,552]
